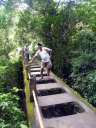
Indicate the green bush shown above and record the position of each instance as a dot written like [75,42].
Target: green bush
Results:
[84,65]
[11,115]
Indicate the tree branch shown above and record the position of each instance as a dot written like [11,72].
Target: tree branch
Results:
[58,4]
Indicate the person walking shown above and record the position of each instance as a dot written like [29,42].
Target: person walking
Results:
[26,51]
[45,54]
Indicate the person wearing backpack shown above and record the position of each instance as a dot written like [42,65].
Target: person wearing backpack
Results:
[45,54]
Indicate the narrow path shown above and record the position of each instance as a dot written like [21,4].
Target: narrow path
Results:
[60,108]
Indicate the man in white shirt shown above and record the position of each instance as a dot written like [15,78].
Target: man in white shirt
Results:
[26,51]
[43,52]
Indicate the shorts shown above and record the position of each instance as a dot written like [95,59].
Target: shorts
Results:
[46,64]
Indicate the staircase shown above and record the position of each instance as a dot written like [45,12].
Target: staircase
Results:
[59,107]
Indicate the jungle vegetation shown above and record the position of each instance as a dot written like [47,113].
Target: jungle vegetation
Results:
[67,27]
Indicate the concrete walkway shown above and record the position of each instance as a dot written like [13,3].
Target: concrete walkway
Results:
[85,119]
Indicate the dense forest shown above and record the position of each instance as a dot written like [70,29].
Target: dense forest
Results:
[68,27]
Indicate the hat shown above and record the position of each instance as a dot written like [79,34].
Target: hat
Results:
[40,43]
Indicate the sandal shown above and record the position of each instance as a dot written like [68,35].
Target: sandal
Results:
[41,78]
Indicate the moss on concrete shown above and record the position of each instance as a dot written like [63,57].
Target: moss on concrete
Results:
[29,105]
[76,94]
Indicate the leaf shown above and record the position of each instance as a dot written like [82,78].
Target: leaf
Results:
[23,126]
[2,69]
[14,89]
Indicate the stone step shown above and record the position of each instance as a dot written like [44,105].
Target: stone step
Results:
[36,70]
[62,98]
[87,119]
[80,120]
[38,66]
[34,65]
[55,99]
[47,86]
[38,74]
[50,84]
[45,80]
[33,69]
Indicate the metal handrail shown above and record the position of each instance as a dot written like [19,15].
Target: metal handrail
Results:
[37,109]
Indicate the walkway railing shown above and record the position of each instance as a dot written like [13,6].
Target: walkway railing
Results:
[33,98]
[37,109]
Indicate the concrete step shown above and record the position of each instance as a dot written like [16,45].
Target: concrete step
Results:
[36,70]
[47,86]
[87,119]
[62,98]
[38,66]
[45,80]
[55,99]
[38,74]
[80,120]
[35,65]
[33,69]
[53,84]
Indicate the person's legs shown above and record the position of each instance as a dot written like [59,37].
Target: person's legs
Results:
[27,56]
[48,71]
[49,65]
[41,70]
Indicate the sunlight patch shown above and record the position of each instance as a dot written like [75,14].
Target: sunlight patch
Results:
[15,55]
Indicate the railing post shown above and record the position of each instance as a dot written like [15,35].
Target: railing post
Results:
[33,98]
[26,61]
[32,84]
[27,70]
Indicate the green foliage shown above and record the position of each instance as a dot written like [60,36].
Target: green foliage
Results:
[68,28]
[23,126]
[84,66]
[2,70]
[14,89]
[70,31]
[10,113]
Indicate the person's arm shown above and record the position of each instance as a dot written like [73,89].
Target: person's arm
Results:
[49,50]
[37,53]
[32,60]
[50,53]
